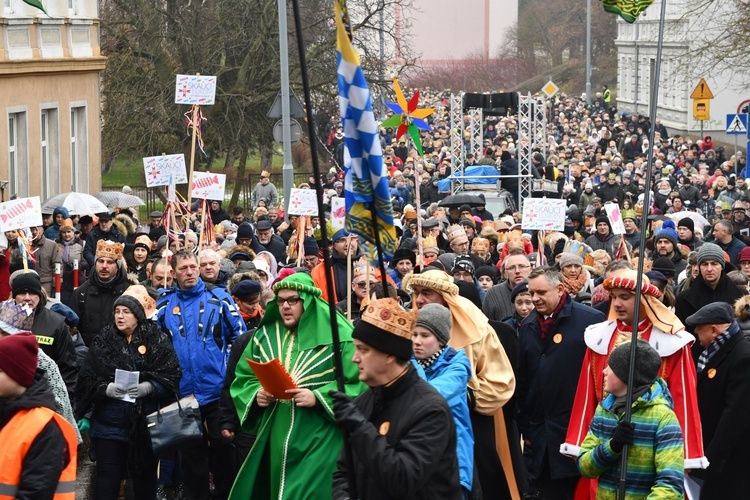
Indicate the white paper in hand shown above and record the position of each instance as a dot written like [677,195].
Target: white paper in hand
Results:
[127,380]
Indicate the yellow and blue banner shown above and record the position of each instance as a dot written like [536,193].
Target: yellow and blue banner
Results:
[366,190]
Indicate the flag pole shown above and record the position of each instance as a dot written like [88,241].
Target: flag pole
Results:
[642,250]
[337,360]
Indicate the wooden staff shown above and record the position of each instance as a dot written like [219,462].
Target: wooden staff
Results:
[367,282]
[204,204]
[348,278]
[301,229]
[192,147]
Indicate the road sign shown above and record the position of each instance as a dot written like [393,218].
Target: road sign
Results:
[550,89]
[294,127]
[295,107]
[701,91]
[701,109]
[736,124]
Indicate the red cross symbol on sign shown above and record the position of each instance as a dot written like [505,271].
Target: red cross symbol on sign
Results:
[184,91]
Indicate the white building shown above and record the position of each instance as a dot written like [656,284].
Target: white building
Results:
[682,66]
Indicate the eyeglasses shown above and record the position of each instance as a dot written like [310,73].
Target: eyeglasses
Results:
[362,284]
[292,301]
[519,267]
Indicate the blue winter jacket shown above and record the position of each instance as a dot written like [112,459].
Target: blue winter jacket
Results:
[51,232]
[203,322]
[450,375]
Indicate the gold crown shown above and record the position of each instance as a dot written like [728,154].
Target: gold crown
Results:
[480,244]
[359,271]
[440,212]
[429,242]
[455,231]
[110,249]
[139,293]
[387,315]
[265,173]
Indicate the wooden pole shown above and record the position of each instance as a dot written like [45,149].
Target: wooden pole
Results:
[204,203]
[349,277]
[192,147]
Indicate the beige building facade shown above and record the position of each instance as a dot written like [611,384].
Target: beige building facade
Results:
[50,66]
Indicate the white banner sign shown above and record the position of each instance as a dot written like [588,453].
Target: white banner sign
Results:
[338,213]
[159,170]
[194,89]
[546,214]
[208,186]
[615,218]
[303,202]
[17,214]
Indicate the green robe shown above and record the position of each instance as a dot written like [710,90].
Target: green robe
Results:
[295,452]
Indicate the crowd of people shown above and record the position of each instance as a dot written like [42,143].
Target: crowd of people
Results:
[488,362]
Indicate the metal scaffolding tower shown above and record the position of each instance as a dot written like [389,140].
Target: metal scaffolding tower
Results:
[475,129]
[457,139]
[532,135]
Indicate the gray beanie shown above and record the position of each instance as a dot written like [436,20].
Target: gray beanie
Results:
[437,319]
[647,363]
[711,251]
[570,259]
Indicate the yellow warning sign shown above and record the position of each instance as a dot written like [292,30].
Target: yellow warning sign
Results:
[701,91]
[701,109]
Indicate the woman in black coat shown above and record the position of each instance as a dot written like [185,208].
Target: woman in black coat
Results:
[118,432]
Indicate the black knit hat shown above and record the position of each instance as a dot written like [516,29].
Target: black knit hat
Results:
[647,363]
[27,282]
[244,230]
[688,223]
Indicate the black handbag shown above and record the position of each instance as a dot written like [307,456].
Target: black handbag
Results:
[175,426]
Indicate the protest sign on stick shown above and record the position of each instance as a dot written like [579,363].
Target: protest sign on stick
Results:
[303,202]
[20,213]
[160,170]
[208,186]
[546,214]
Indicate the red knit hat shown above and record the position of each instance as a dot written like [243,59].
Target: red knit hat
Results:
[18,357]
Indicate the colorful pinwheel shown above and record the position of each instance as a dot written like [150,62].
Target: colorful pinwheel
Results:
[408,117]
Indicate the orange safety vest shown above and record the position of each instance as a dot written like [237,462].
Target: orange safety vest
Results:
[15,440]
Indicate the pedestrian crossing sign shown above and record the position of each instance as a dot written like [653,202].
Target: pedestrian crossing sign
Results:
[736,124]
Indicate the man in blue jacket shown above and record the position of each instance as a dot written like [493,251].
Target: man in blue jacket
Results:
[203,321]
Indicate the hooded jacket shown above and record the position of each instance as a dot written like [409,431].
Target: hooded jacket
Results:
[51,232]
[96,234]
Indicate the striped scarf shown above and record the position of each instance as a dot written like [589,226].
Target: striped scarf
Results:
[712,349]
[428,362]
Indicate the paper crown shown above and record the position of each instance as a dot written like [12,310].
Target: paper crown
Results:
[362,270]
[110,249]
[440,212]
[628,214]
[139,293]
[16,318]
[576,247]
[429,242]
[480,244]
[456,231]
[387,315]
[264,173]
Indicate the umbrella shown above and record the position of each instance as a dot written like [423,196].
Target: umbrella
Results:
[697,218]
[456,200]
[76,203]
[114,199]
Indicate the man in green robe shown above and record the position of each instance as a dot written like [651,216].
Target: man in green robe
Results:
[297,444]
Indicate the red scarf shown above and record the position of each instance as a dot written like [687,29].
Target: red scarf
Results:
[545,325]
[256,311]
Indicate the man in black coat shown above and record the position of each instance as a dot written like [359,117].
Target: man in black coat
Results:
[94,301]
[723,400]
[711,285]
[270,242]
[104,230]
[48,327]
[401,431]
[552,352]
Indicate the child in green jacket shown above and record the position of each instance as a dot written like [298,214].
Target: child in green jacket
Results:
[653,435]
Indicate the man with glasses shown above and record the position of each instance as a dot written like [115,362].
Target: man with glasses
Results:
[497,304]
[360,284]
[297,442]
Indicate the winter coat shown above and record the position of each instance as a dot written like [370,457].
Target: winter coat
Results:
[700,294]
[75,252]
[275,247]
[450,374]
[94,303]
[51,232]
[48,454]
[497,304]
[547,380]
[54,339]
[724,403]
[46,255]
[428,194]
[203,321]
[150,353]
[679,263]
[609,243]
[656,457]
[96,234]
[585,200]
[267,191]
[407,449]
[733,249]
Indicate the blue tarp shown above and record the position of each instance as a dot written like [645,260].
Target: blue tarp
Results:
[483,170]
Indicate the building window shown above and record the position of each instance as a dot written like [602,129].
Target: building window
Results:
[8,6]
[78,149]
[50,153]
[18,155]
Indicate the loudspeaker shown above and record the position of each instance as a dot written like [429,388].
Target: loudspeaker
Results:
[498,104]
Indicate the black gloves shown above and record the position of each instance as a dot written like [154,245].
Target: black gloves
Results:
[347,414]
[623,435]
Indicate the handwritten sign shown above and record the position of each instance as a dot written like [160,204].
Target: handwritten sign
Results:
[543,213]
[159,169]
[208,185]
[338,213]
[20,213]
[303,202]
[194,89]
[615,218]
